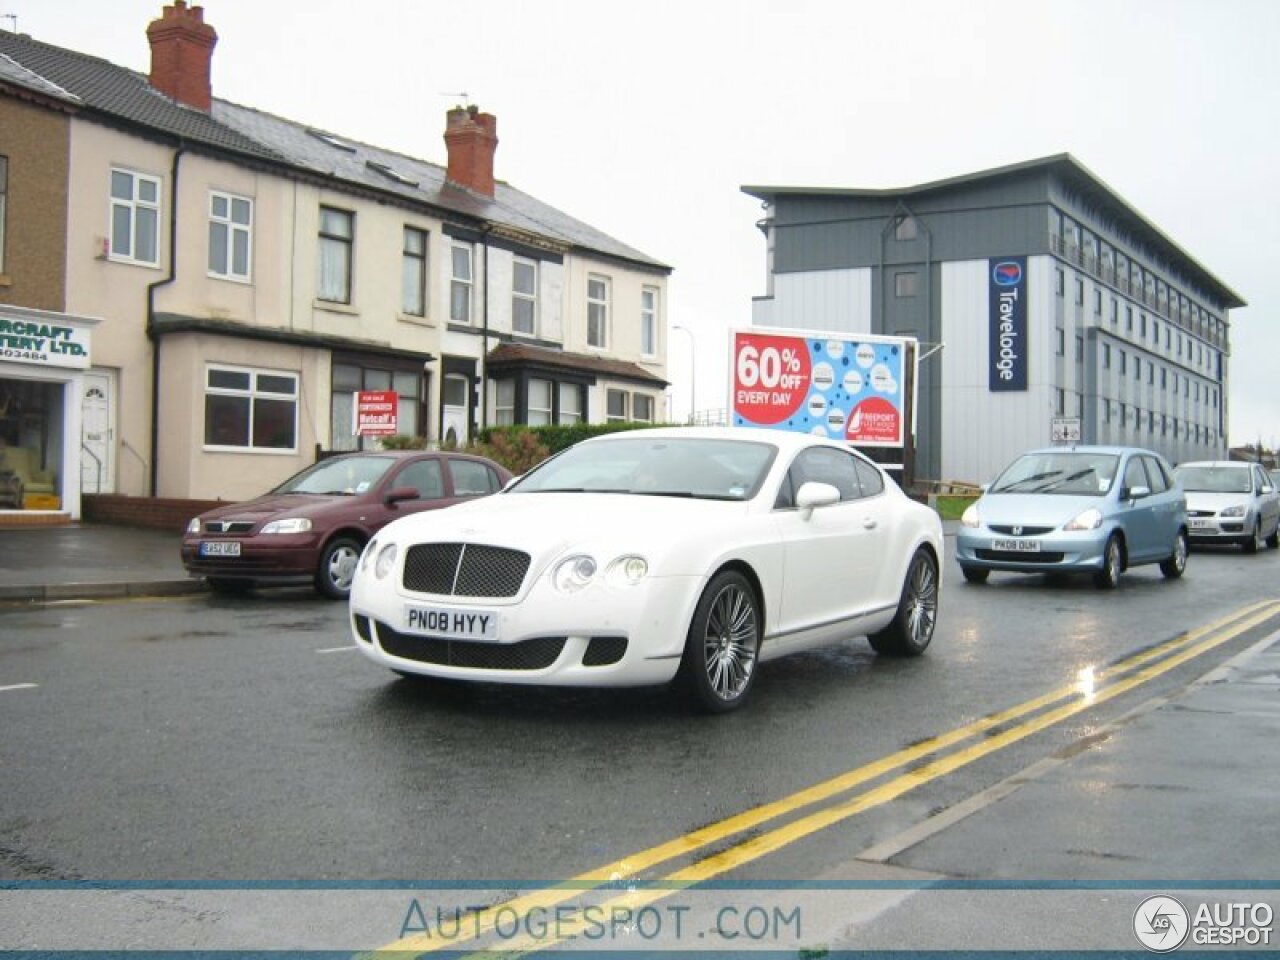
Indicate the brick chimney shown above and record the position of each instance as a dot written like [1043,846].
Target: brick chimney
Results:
[181,51]
[471,138]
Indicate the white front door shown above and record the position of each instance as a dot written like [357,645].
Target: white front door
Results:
[97,462]
[456,414]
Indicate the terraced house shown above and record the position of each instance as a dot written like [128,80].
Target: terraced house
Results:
[233,278]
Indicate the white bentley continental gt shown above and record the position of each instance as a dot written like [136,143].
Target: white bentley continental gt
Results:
[648,556]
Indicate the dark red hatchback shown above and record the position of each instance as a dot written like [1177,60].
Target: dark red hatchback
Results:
[313,526]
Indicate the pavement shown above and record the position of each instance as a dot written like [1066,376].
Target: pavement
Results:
[90,561]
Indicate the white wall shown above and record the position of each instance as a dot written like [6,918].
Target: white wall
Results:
[834,300]
[983,431]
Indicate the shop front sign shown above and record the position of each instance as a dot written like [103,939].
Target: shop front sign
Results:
[44,344]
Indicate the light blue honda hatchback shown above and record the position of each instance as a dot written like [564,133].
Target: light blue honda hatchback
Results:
[1097,510]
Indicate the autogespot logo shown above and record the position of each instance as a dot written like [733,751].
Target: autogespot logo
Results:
[1161,924]
[1007,273]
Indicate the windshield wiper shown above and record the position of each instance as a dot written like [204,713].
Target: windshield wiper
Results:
[1031,479]
[1061,480]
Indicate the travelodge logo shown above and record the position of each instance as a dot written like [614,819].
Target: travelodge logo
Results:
[1007,273]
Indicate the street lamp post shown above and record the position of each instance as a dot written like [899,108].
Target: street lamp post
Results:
[693,363]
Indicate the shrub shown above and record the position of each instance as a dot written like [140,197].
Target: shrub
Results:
[519,449]
[400,441]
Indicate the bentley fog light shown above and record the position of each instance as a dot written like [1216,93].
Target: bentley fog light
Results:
[385,562]
[573,573]
[289,525]
[1091,519]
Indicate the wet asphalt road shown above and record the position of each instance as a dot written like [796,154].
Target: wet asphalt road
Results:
[242,739]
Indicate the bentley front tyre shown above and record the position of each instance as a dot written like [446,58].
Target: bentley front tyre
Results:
[721,649]
[912,626]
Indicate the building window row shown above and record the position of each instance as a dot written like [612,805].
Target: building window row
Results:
[1185,347]
[1080,246]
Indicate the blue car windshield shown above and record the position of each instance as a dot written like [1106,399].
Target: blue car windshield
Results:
[1214,479]
[1068,472]
[696,467]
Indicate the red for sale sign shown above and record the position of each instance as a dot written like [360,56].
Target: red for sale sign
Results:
[375,413]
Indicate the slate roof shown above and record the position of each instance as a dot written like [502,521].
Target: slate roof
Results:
[520,354]
[110,91]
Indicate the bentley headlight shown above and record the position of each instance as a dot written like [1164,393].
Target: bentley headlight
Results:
[573,573]
[1091,519]
[628,570]
[194,525]
[386,561]
[1238,511]
[970,516]
[289,525]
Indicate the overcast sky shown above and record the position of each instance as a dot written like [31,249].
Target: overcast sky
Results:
[644,119]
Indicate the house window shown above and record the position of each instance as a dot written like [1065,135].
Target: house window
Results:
[570,403]
[616,407]
[413,273]
[524,297]
[904,283]
[598,312]
[4,196]
[462,283]
[230,235]
[135,217]
[642,408]
[504,404]
[337,232]
[351,377]
[250,409]
[649,321]
[905,228]
[539,402]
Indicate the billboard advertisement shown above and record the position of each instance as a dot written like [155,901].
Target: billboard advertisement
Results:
[844,386]
[1007,299]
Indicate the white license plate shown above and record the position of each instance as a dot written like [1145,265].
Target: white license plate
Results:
[220,548]
[1016,546]
[451,623]
[1199,523]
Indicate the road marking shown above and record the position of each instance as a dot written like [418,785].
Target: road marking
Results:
[351,646]
[1139,668]
[19,686]
[887,849]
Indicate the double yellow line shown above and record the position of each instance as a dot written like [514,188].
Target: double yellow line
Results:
[997,730]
